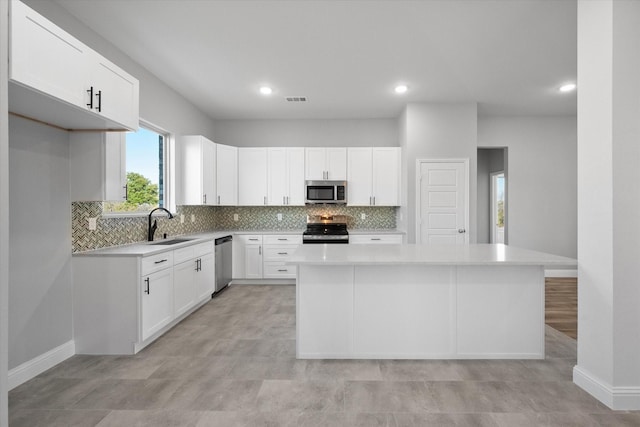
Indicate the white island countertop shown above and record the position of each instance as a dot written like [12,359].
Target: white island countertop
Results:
[411,254]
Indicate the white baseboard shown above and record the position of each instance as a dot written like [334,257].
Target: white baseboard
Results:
[263,282]
[561,273]
[616,398]
[34,367]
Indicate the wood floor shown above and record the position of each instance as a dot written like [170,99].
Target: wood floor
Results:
[561,302]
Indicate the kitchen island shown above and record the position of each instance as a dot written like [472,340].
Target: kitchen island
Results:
[421,302]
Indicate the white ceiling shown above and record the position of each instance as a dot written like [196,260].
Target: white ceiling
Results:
[347,56]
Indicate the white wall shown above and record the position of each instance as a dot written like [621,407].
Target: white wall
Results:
[609,202]
[40,290]
[436,131]
[40,293]
[4,214]
[542,181]
[307,133]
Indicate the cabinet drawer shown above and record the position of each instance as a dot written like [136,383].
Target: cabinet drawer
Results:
[283,239]
[278,270]
[250,239]
[376,238]
[202,249]
[183,254]
[278,252]
[157,262]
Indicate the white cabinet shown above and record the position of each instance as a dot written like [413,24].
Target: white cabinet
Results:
[157,301]
[277,251]
[392,239]
[206,276]
[196,164]
[252,176]
[326,163]
[374,176]
[285,176]
[97,163]
[247,256]
[194,276]
[227,175]
[59,80]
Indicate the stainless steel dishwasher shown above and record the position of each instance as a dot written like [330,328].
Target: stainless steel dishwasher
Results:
[223,262]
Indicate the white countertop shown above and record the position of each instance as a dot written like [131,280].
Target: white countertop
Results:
[376,231]
[480,254]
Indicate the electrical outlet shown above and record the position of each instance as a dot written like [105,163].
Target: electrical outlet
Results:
[279,217]
[235,217]
[93,224]
[193,218]
[363,216]
[181,218]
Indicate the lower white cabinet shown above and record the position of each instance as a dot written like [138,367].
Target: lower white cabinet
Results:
[157,301]
[257,256]
[123,303]
[376,239]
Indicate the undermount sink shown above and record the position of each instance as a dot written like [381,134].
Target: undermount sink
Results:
[170,241]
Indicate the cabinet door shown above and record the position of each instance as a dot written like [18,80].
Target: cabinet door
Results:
[314,164]
[295,178]
[277,176]
[359,177]
[157,301]
[208,168]
[115,166]
[184,293]
[386,176]
[227,175]
[115,92]
[253,261]
[252,176]
[46,58]
[336,164]
[206,277]
[191,191]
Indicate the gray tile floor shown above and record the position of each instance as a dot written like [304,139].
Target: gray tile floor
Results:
[232,363]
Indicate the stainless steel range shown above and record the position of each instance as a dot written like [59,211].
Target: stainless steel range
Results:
[326,229]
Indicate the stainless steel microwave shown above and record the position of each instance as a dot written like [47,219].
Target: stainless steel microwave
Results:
[321,192]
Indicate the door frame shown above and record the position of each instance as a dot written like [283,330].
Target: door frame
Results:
[464,161]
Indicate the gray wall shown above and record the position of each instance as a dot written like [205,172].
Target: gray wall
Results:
[40,225]
[308,133]
[542,181]
[40,286]
[490,160]
[436,131]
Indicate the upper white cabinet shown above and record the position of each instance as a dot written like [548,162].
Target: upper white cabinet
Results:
[196,161]
[374,176]
[252,176]
[285,176]
[326,163]
[97,164]
[58,80]
[227,175]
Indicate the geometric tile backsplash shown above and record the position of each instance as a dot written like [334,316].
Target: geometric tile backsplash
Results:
[113,231]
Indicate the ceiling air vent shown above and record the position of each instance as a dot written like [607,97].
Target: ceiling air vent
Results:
[296,98]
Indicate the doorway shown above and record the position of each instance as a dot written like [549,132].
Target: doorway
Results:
[442,201]
[493,195]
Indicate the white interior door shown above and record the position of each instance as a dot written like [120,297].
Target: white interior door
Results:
[442,202]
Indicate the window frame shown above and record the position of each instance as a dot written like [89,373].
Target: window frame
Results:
[168,171]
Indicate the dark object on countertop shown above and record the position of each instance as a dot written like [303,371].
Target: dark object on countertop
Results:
[152,228]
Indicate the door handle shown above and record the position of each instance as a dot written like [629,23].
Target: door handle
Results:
[461,230]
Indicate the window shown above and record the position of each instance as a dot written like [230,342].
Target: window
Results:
[146,166]
[497,207]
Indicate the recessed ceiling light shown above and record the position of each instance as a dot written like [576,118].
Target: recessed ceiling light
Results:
[568,87]
[401,89]
[266,90]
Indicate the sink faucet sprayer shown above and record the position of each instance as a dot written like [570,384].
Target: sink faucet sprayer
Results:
[152,228]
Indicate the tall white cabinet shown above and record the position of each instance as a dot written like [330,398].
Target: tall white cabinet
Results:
[252,176]
[197,163]
[285,178]
[227,175]
[326,163]
[374,176]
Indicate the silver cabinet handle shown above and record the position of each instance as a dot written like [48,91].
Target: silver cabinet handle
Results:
[282,239]
[253,240]
[374,200]
[370,201]
[204,199]
[259,250]
[283,270]
[148,290]
[462,230]
[265,200]
[283,253]
[284,200]
[218,199]
[287,199]
[161,261]
[375,238]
